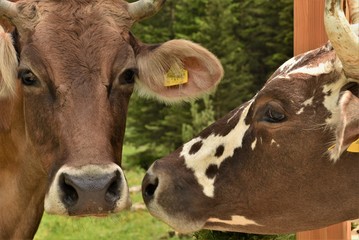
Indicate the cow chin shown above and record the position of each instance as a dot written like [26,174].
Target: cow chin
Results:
[95,190]
[181,223]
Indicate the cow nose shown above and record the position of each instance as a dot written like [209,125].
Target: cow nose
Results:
[88,190]
[103,189]
[149,186]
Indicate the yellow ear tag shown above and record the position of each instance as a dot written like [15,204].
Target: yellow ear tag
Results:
[178,77]
[354,147]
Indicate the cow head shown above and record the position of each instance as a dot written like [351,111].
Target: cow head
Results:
[68,72]
[269,165]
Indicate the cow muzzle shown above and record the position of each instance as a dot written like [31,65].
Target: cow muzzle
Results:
[88,190]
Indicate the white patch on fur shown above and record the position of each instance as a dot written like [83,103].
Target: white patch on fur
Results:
[8,65]
[274,142]
[53,203]
[253,145]
[332,92]
[205,157]
[300,111]
[236,220]
[235,114]
[306,103]
[321,68]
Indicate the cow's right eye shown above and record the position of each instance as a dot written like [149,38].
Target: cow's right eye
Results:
[128,76]
[273,113]
[273,116]
[28,78]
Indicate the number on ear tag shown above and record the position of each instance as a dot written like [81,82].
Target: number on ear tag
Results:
[177,77]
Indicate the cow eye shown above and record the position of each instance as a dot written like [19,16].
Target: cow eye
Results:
[274,116]
[128,76]
[28,78]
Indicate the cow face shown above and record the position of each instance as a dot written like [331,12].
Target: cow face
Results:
[269,165]
[78,66]
[266,164]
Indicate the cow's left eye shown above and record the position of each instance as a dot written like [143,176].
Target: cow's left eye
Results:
[128,76]
[274,116]
[28,78]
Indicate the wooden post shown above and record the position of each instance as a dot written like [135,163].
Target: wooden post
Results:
[309,33]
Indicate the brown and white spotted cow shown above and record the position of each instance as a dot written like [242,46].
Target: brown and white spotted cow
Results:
[269,166]
[67,72]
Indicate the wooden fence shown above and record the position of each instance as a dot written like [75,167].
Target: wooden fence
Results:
[309,33]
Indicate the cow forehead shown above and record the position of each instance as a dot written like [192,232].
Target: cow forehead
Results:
[79,40]
[313,79]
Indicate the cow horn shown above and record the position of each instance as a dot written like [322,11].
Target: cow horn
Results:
[144,8]
[8,9]
[344,40]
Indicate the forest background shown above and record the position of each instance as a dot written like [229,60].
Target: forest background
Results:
[252,38]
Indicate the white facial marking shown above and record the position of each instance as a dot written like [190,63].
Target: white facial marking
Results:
[274,142]
[236,220]
[286,70]
[301,110]
[205,156]
[332,92]
[306,103]
[235,114]
[321,68]
[253,145]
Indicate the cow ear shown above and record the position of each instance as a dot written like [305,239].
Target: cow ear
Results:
[177,70]
[347,132]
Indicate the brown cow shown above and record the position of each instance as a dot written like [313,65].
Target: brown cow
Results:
[269,166]
[67,73]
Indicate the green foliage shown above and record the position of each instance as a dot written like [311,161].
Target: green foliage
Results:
[200,119]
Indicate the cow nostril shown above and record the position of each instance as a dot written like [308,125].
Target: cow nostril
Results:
[151,187]
[70,196]
[113,193]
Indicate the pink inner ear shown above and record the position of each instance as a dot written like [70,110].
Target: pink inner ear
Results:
[348,128]
[350,117]
[201,78]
